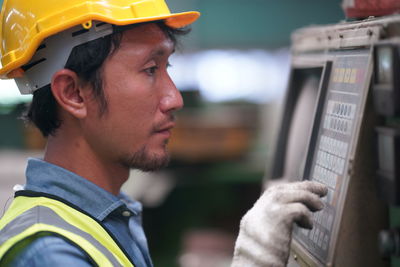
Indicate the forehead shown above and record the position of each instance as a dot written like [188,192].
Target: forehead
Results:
[147,37]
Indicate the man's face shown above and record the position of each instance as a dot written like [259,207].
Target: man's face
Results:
[141,98]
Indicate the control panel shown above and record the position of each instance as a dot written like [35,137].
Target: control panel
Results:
[333,139]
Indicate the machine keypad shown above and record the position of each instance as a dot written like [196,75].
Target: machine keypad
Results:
[328,157]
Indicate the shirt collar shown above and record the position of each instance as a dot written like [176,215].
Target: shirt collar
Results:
[51,179]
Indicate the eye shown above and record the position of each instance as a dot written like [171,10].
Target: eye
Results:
[151,71]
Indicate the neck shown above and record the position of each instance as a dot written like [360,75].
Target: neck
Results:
[73,153]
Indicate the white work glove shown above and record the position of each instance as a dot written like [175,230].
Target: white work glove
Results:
[266,229]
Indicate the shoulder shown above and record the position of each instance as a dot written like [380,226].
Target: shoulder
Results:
[48,251]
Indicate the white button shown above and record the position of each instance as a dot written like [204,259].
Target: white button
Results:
[330,221]
[126,213]
[321,236]
[316,235]
[325,242]
[311,234]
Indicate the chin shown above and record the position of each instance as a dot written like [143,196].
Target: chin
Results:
[146,161]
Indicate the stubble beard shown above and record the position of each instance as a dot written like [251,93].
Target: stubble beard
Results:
[146,161]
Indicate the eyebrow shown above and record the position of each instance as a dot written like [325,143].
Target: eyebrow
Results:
[161,51]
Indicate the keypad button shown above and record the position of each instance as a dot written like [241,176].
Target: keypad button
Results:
[316,235]
[325,242]
[320,239]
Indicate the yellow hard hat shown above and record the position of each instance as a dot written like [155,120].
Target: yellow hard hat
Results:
[25,24]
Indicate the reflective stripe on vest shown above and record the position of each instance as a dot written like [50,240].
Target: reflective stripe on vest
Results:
[28,216]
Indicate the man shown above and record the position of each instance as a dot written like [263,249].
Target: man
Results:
[106,107]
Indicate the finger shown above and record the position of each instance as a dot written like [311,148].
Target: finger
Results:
[275,182]
[313,187]
[299,214]
[310,200]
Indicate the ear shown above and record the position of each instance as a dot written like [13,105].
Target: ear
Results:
[66,89]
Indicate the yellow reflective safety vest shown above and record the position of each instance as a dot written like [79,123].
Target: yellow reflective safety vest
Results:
[31,215]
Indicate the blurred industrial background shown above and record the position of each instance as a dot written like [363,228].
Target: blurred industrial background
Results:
[232,70]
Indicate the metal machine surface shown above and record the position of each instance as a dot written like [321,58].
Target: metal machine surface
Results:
[336,143]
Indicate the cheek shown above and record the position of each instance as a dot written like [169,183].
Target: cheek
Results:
[135,95]
[133,112]
[132,99]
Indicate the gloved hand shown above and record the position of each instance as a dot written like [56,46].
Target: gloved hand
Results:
[266,229]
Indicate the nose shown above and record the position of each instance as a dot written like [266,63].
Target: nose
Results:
[172,98]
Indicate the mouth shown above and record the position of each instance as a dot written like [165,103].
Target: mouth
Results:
[165,130]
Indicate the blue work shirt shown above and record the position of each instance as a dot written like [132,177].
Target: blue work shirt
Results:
[119,214]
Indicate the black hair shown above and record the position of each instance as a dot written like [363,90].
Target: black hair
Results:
[86,61]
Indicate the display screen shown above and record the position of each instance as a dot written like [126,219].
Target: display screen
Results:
[297,122]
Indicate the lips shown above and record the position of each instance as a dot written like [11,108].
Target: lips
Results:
[165,129]
[165,126]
